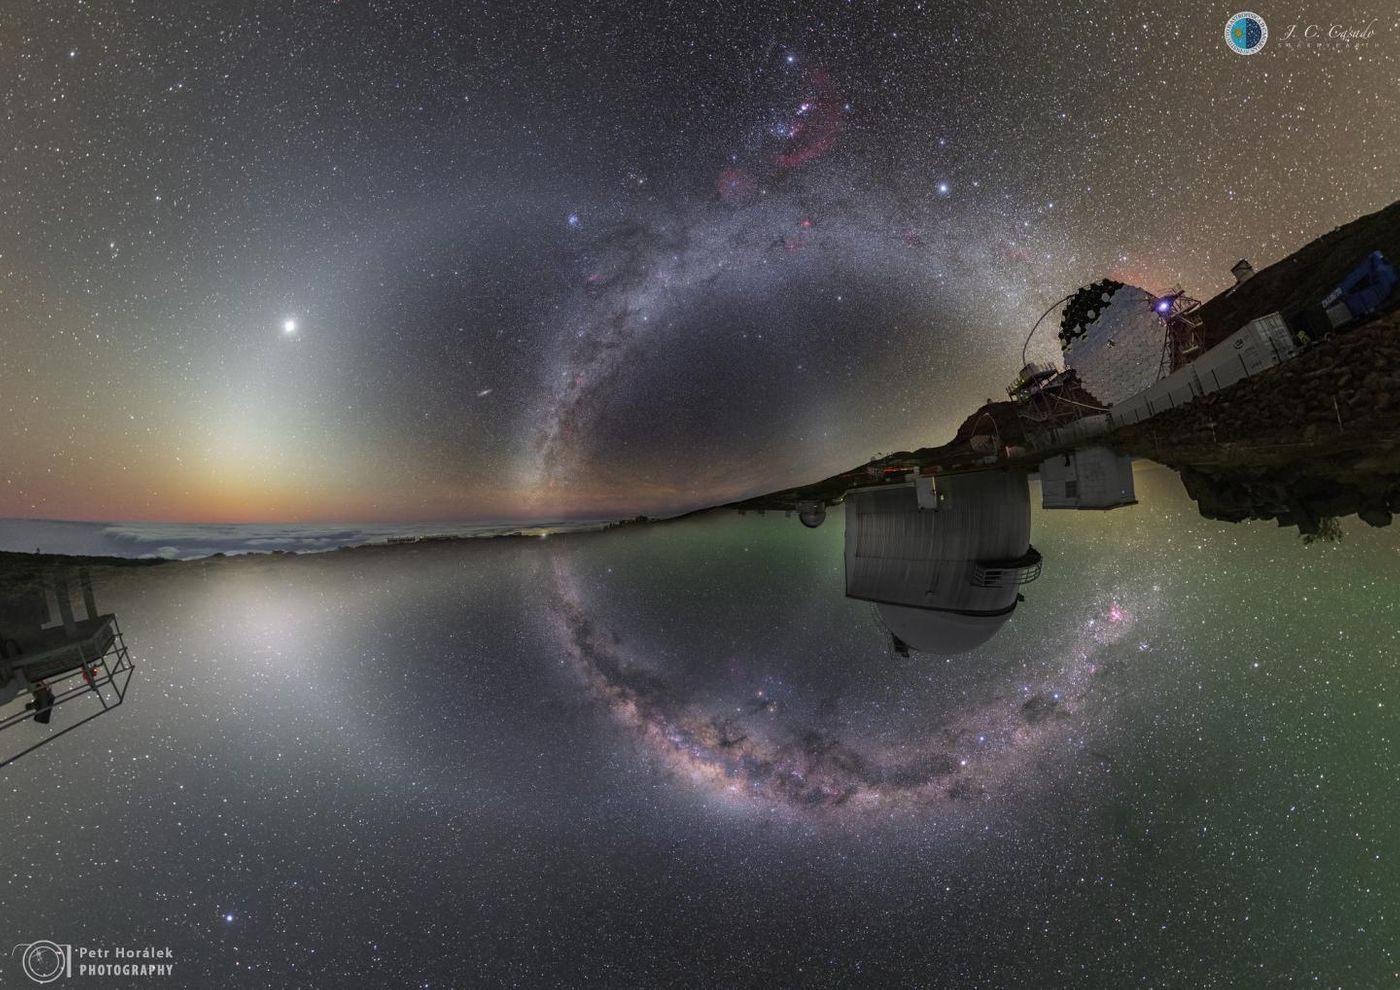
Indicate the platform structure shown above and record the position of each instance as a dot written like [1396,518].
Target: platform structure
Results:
[1183,340]
[70,667]
[1052,407]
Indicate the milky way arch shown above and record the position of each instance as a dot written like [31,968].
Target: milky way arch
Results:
[976,755]
[644,285]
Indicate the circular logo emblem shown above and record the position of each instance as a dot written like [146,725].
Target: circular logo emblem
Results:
[1246,33]
[44,961]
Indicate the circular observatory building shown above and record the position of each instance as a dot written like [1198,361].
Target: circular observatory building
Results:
[942,559]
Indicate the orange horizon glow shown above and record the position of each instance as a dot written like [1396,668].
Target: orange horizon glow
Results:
[313,508]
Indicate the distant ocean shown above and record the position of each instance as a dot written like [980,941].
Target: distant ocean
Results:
[183,541]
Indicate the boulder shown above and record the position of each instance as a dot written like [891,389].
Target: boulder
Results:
[1374,515]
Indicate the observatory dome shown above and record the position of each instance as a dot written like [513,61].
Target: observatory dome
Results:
[811,514]
[945,578]
[1112,336]
[939,632]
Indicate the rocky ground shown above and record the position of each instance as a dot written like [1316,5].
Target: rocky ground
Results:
[1315,438]
[1304,276]
[1303,443]
[1310,440]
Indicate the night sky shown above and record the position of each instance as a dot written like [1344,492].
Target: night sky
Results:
[346,269]
[339,261]
[678,755]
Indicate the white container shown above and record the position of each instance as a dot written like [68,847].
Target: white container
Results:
[1257,346]
[1088,478]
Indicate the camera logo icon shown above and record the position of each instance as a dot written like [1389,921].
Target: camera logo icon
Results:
[45,961]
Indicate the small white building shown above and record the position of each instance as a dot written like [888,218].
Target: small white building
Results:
[1087,478]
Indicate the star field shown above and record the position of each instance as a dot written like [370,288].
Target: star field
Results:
[358,270]
[392,767]
[533,255]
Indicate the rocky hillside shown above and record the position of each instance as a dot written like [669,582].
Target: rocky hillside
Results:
[1314,438]
[1305,276]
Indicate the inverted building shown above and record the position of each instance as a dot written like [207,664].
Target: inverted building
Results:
[942,558]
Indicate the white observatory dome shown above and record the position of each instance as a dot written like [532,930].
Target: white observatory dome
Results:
[939,632]
[944,579]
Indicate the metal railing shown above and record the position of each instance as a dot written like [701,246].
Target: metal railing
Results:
[1007,573]
[104,677]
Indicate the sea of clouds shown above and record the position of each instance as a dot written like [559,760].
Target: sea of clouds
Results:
[189,540]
